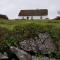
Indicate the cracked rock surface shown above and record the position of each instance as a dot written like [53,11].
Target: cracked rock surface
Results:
[43,43]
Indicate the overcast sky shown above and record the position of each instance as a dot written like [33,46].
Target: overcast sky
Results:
[12,7]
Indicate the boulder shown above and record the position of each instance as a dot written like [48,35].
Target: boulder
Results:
[43,43]
[22,55]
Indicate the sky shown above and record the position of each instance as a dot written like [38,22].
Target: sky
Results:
[11,8]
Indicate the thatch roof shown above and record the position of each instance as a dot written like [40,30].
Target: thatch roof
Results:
[38,12]
[3,16]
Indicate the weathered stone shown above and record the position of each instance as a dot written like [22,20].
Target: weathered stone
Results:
[22,55]
[3,56]
[43,43]
[42,58]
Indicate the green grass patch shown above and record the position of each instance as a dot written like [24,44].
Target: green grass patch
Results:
[14,31]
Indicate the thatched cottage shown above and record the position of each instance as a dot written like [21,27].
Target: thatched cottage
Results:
[33,13]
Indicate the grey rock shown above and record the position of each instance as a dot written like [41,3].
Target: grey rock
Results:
[22,55]
[43,43]
[3,56]
[42,58]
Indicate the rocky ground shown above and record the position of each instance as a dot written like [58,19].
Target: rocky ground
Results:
[43,43]
[22,55]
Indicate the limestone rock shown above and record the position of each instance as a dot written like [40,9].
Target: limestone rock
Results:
[22,55]
[43,43]
[42,58]
[3,56]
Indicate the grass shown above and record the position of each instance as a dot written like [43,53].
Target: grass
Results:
[18,30]
[10,24]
